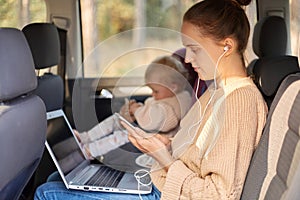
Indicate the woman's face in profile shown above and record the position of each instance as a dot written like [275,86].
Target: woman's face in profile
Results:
[201,52]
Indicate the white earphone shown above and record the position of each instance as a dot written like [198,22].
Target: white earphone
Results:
[226,48]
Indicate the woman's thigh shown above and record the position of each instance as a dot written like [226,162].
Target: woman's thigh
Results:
[57,190]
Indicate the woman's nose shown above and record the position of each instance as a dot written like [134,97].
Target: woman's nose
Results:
[188,56]
[187,60]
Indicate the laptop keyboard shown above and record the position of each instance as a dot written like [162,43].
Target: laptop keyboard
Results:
[106,177]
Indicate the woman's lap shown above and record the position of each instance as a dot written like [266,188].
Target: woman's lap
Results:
[57,190]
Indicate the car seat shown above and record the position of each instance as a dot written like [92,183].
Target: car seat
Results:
[43,40]
[276,161]
[273,63]
[22,115]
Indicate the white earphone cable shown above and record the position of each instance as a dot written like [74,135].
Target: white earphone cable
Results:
[142,173]
[198,101]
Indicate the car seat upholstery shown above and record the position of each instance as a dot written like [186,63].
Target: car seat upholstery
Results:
[293,193]
[43,39]
[273,64]
[22,115]
[276,161]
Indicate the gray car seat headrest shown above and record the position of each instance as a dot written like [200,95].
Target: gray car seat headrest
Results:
[15,57]
[269,32]
[271,72]
[43,39]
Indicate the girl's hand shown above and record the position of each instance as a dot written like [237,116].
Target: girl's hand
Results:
[88,152]
[133,107]
[77,134]
[125,110]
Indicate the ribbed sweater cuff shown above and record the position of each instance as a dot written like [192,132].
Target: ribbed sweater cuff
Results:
[176,176]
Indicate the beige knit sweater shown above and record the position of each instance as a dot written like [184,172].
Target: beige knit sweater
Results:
[220,174]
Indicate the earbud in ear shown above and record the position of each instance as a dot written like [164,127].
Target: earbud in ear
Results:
[226,48]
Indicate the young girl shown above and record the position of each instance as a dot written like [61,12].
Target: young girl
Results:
[162,112]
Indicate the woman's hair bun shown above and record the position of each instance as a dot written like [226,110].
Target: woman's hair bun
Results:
[243,2]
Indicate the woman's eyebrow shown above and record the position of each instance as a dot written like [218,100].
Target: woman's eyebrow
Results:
[193,45]
[189,43]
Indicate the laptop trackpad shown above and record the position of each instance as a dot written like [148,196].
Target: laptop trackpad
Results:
[130,182]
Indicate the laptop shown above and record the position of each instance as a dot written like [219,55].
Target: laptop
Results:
[79,173]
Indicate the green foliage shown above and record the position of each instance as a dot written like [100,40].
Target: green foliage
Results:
[8,17]
[10,13]
[118,15]
[114,17]
[37,11]
[153,13]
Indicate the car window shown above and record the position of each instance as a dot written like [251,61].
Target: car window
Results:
[251,11]
[123,36]
[295,26]
[17,14]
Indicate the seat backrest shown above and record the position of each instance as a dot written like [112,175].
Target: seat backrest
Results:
[273,63]
[293,193]
[43,40]
[268,32]
[270,71]
[277,157]
[22,115]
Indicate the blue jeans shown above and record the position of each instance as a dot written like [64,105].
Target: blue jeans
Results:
[56,190]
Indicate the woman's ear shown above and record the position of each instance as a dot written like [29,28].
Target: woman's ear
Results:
[229,44]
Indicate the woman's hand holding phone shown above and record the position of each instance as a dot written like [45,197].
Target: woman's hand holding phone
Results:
[150,144]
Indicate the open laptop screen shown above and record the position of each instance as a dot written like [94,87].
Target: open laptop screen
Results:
[62,142]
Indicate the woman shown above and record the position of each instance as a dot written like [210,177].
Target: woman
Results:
[210,155]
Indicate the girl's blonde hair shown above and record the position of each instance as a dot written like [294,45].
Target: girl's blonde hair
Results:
[167,70]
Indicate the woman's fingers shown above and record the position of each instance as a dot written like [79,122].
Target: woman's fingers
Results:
[145,142]
[135,142]
[163,138]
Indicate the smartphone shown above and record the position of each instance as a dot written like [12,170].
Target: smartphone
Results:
[124,120]
[141,134]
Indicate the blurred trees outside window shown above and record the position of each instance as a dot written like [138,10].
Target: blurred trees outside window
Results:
[123,23]
[18,13]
